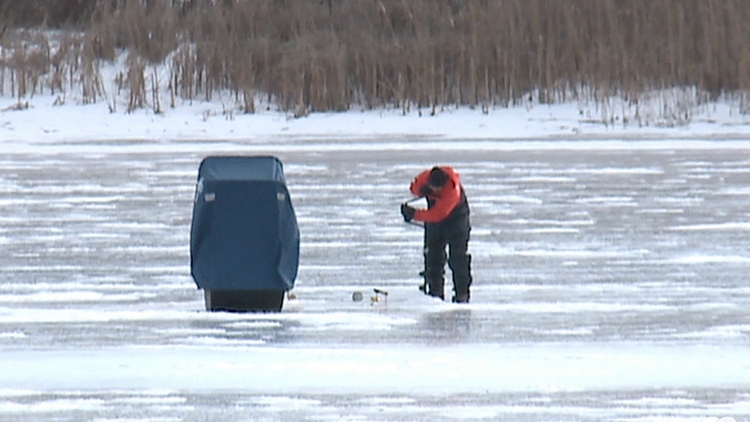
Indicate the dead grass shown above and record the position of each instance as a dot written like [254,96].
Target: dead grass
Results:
[311,55]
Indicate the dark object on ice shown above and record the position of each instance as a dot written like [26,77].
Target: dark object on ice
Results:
[380,292]
[244,239]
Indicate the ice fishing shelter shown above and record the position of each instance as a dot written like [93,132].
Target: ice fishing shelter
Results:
[244,239]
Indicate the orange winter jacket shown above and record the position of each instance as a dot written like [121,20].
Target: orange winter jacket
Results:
[443,202]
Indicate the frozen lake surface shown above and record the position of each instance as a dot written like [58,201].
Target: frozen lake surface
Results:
[609,284]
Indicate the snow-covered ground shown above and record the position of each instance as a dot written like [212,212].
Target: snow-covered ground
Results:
[610,267]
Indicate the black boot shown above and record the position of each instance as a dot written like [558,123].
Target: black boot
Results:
[435,282]
[461,298]
[462,279]
[435,289]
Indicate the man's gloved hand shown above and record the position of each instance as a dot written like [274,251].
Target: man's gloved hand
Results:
[425,190]
[408,212]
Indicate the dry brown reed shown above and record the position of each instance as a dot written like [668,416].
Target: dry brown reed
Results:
[313,55]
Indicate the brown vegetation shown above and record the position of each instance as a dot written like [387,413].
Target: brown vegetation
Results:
[321,55]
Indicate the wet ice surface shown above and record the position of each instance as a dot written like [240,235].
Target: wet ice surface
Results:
[609,285]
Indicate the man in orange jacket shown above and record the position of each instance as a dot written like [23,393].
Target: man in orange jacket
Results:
[446,223]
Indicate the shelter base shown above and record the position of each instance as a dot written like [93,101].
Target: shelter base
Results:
[244,300]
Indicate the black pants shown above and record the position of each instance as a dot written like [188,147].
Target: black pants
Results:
[455,235]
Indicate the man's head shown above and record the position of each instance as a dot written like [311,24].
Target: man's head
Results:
[437,178]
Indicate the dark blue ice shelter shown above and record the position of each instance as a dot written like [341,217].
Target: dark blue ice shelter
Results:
[244,239]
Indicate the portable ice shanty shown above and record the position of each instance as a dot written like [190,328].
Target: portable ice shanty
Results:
[244,239]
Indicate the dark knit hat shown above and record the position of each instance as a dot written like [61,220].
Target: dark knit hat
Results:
[438,177]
